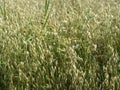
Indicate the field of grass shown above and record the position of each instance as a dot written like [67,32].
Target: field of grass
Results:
[59,44]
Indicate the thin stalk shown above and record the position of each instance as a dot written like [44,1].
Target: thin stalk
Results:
[4,10]
[47,12]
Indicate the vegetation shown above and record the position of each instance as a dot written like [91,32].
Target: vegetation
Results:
[59,44]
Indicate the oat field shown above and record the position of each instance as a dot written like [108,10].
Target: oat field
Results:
[59,44]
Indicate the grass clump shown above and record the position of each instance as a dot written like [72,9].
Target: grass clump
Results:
[59,45]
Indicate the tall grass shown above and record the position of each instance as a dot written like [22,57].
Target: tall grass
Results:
[59,45]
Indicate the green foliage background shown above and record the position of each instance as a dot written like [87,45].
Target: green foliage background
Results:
[59,44]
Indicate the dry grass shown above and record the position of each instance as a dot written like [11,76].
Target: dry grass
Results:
[59,45]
